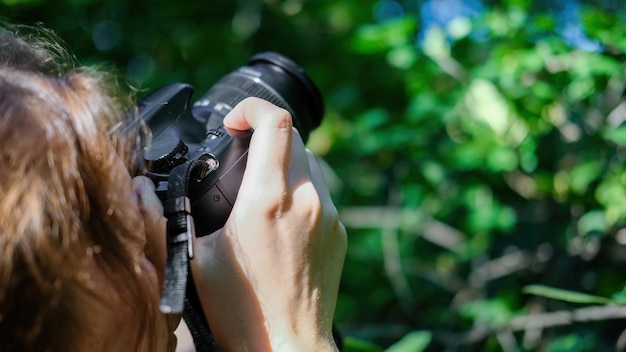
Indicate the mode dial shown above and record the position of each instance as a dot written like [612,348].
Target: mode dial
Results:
[165,155]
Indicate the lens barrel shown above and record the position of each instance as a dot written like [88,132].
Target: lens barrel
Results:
[277,79]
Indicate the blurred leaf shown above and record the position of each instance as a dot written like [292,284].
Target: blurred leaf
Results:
[415,341]
[528,156]
[564,295]
[402,57]
[459,28]
[433,172]
[580,88]
[611,193]
[619,298]
[583,174]
[544,91]
[593,222]
[372,119]
[494,312]
[572,343]
[545,22]
[351,344]
[372,38]
[502,159]
[436,43]
[19,2]
[605,27]
[486,104]
[595,64]
[616,135]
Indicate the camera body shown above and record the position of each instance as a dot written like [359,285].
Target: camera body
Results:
[182,131]
[185,135]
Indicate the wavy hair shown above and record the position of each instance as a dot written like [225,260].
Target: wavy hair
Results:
[59,207]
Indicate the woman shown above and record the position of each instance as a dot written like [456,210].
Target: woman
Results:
[83,249]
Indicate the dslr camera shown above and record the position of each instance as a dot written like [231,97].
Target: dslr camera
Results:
[182,131]
[197,166]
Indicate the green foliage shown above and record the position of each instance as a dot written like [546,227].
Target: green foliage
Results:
[565,295]
[573,343]
[354,345]
[416,341]
[494,313]
[469,160]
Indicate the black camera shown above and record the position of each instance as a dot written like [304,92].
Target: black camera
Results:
[182,131]
[198,166]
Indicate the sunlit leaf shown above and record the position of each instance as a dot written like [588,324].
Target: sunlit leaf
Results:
[435,44]
[616,135]
[380,37]
[486,104]
[493,312]
[402,57]
[582,175]
[459,27]
[611,194]
[593,222]
[580,89]
[502,159]
[415,341]
[619,298]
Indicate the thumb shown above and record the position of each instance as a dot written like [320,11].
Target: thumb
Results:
[144,189]
[153,221]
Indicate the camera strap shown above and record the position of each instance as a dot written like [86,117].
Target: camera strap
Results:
[179,293]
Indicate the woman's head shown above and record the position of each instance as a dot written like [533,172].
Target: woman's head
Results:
[73,267]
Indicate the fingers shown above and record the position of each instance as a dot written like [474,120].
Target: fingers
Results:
[270,147]
[279,167]
[254,113]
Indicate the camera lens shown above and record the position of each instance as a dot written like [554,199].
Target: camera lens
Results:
[279,80]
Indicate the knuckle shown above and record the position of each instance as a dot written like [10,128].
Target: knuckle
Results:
[317,209]
[336,230]
[326,218]
[271,113]
[268,201]
[282,119]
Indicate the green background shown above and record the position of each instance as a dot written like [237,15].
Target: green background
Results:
[477,162]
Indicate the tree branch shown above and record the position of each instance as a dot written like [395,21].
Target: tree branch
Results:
[538,321]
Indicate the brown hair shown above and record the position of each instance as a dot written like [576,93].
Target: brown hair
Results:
[59,207]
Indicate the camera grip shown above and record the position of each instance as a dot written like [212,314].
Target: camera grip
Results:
[211,210]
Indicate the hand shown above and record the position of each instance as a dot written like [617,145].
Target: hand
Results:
[154,224]
[269,279]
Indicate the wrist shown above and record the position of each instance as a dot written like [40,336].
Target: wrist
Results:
[291,338]
[301,343]
[281,343]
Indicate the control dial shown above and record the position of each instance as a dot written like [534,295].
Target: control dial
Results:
[161,158]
